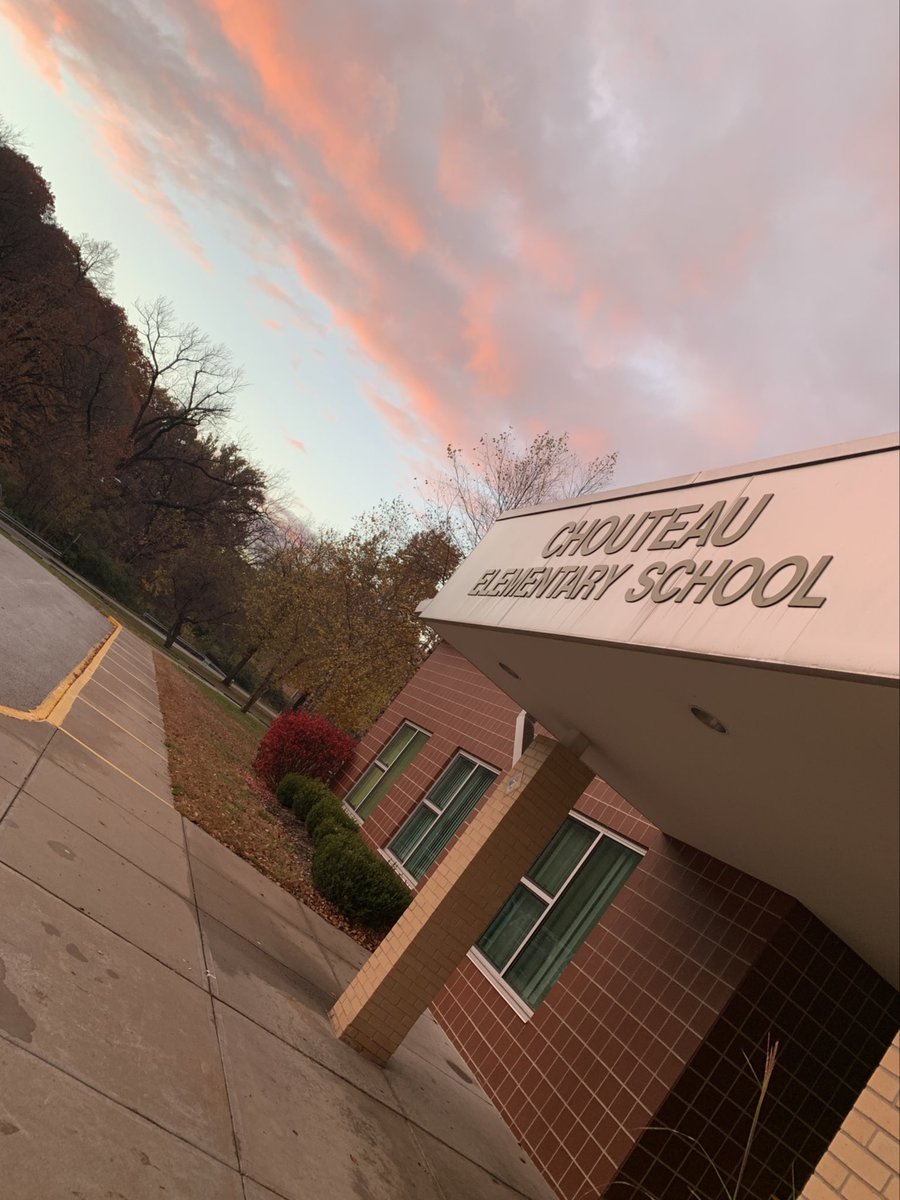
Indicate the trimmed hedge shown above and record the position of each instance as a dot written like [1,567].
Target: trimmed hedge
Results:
[334,821]
[300,793]
[328,807]
[362,886]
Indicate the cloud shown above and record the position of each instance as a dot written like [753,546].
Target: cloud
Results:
[668,230]
[295,442]
[397,418]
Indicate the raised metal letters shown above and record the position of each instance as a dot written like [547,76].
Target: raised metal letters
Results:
[724,581]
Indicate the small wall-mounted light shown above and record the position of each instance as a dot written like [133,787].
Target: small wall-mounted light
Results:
[707,719]
[508,670]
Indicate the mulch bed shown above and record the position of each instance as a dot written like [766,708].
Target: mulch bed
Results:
[213,785]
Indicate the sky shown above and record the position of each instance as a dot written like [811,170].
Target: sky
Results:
[669,230]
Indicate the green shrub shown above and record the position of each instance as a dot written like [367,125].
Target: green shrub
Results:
[358,883]
[300,793]
[287,789]
[332,822]
[325,807]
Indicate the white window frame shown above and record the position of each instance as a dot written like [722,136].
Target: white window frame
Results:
[376,762]
[459,753]
[495,976]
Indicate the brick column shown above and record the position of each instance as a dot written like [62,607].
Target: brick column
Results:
[458,901]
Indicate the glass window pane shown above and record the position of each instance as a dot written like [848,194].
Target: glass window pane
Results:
[510,927]
[364,785]
[445,787]
[369,802]
[570,919]
[561,856]
[397,743]
[449,821]
[410,832]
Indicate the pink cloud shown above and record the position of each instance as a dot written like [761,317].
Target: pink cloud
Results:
[295,442]
[399,420]
[666,234]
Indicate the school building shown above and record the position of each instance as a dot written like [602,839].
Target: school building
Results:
[646,791]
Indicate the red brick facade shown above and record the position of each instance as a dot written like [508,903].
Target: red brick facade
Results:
[693,966]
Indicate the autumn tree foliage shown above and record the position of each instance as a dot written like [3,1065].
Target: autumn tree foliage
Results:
[333,616]
[111,432]
[113,444]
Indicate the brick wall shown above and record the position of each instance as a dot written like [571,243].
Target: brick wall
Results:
[863,1161]
[652,997]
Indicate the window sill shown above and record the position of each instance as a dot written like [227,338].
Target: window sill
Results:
[351,812]
[401,871]
[515,1002]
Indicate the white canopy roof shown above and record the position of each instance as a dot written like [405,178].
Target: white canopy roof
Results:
[723,649]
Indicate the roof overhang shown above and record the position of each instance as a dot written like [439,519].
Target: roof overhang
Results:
[765,596]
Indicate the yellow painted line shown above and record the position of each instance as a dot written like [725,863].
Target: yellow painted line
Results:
[131,778]
[124,703]
[151,700]
[134,654]
[70,686]
[143,680]
[129,662]
[139,741]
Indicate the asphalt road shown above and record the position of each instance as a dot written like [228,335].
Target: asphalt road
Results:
[45,629]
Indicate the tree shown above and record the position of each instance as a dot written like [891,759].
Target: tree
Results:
[368,640]
[190,380]
[499,475]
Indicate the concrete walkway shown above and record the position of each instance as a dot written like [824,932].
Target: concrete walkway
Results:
[163,1028]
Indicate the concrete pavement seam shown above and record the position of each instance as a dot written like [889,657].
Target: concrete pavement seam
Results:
[96,920]
[18,792]
[115,1100]
[109,763]
[210,979]
[24,793]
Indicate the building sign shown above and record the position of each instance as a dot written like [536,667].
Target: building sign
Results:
[795,563]
[610,539]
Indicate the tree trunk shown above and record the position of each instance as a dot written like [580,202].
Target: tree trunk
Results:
[236,670]
[175,631]
[258,691]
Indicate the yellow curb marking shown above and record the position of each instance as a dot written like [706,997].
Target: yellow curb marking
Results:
[136,782]
[69,687]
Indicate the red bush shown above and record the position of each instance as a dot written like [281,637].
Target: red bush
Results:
[305,745]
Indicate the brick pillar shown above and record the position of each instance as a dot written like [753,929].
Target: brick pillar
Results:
[458,901]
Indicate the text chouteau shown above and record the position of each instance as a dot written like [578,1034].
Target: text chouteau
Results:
[724,581]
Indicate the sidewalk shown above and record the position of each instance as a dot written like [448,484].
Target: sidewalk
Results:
[163,1027]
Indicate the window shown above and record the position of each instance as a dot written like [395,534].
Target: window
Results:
[428,829]
[384,771]
[537,931]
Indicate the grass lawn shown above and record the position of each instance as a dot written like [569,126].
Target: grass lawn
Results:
[211,748]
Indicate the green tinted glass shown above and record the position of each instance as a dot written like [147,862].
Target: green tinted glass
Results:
[364,785]
[569,921]
[510,927]
[410,832]
[446,787]
[561,856]
[397,744]
[456,811]
[376,783]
